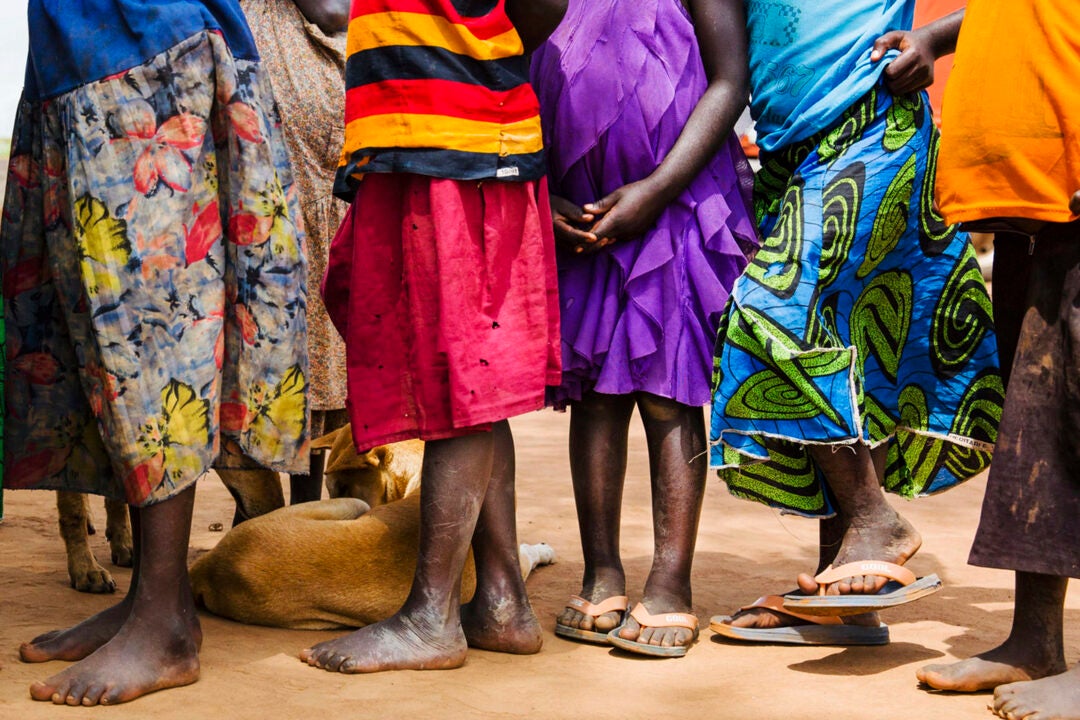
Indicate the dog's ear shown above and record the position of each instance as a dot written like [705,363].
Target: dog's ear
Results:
[328,440]
[381,456]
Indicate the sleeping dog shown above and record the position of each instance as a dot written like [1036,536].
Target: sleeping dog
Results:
[344,562]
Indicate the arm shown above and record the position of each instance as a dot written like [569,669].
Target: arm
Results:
[332,16]
[720,26]
[913,69]
[535,19]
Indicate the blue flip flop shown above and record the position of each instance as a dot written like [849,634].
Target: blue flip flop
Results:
[903,587]
[820,630]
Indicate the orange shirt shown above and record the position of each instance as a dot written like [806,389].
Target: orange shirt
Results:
[1010,124]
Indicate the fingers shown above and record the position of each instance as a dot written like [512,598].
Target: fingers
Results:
[1074,203]
[572,237]
[604,204]
[561,207]
[885,43]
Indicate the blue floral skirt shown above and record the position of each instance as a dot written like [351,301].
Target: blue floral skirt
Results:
[863,319]
[153,281]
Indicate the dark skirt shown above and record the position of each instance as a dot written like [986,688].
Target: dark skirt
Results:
[1032,498]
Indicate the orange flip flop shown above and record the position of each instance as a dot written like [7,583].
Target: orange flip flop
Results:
[615,603]
[645,619]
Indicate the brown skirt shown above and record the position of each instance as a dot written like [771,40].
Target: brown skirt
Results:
[1029,515]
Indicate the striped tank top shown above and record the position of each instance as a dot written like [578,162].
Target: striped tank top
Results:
[437,88]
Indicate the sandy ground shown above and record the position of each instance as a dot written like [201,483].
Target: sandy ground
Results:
[745,550]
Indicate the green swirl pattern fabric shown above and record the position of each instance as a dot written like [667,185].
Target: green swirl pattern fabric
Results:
[863,318]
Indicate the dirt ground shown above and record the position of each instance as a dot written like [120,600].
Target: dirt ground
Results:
[745,550]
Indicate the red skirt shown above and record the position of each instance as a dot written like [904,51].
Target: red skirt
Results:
[446,293]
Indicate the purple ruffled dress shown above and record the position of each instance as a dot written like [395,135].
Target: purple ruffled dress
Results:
[617,81]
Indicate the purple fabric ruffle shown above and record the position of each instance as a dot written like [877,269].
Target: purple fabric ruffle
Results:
[617,82]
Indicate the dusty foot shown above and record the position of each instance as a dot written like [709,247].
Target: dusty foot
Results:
[600,589]
[660,636]
[78,641]
[1051,698]
[397,643]
[1007,663]
[890,538]
[142,658]
[502,624]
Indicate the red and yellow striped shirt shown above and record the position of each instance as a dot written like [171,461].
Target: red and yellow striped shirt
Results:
[439,88]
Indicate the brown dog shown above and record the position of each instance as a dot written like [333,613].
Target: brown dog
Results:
[344,562]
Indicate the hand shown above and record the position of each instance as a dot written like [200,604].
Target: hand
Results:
[1074,203]
[569,222]
[910,71]
[629,211]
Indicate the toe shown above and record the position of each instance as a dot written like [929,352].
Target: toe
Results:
[93,695]
[608,621]
[807,584]
[75,693]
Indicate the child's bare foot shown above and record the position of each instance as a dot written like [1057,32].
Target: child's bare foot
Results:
[501,624]
[143,657]
[1051,698]
[78,641]
[397,643]
[604,586]
[1010,662]
[888,537]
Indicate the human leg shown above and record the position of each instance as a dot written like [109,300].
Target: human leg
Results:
[157,644]
[599,425]
[1034,648]
[426,634]
[676,438]
[874,530]
[499,616]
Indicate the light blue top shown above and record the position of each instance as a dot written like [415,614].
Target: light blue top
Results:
[810,61]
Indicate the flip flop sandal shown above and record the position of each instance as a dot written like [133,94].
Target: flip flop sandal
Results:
[644,619]
[903,587]
[615,603]
[822,630]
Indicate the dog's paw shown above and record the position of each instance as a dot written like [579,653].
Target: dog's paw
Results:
[92,580]
[122,556]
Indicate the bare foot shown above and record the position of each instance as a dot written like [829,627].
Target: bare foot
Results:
[1051,698]
[1008,663]
[78,641]
[501,624]
[660,636]
[596,591]
[141,658]
[397,643]
[890,538]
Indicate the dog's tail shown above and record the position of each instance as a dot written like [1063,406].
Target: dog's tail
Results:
[532,556]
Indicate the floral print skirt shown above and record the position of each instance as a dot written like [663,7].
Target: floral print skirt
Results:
[153,281]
